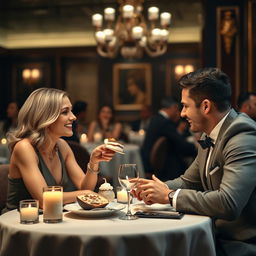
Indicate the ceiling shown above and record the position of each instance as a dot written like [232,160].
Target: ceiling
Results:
[22,21]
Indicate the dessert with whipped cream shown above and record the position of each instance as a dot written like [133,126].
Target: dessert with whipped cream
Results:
[106,190]
[112,144]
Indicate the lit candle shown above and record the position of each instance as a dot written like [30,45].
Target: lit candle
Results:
[156,34]
[97,137]
[165,18]
[3,140]
[128,11]
[122,196]
[137,32]
[97,20]
[83,138]
[108,33]
[141,132]
[52,204]
[109,14]
[153,13]
[29,213]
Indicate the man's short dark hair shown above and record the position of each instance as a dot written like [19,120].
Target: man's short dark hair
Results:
[243,97]
[208,83]
[79,106]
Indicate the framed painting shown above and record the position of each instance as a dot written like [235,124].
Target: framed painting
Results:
[132,85]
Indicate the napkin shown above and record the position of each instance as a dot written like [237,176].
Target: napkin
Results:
[157,211]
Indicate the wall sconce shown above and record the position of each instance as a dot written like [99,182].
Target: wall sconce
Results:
[31,76]
[181,70]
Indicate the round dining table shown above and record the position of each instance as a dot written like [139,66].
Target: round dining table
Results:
[107,236]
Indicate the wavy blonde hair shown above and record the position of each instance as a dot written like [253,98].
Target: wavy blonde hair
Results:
[41,109]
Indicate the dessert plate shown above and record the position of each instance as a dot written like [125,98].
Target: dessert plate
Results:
[109,210]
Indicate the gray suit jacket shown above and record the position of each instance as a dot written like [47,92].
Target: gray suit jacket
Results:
[228,192]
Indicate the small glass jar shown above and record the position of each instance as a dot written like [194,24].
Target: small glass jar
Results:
[106,190]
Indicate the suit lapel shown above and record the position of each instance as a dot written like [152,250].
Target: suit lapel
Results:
[231,116]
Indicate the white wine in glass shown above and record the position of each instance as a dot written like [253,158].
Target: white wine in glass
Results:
[125,174]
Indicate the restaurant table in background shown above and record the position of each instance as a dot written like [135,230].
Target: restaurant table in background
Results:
[110,169]
[136,137]
[77,236]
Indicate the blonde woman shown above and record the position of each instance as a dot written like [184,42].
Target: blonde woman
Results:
[39,157]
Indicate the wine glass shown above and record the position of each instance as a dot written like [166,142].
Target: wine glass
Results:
[125,174]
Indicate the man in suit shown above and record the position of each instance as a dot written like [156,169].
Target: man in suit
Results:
[143,122]
[164,124]
[221,181]
[246,103]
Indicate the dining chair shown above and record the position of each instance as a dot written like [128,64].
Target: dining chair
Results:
[4,169]
[82,157]
[81,154]
[158,153]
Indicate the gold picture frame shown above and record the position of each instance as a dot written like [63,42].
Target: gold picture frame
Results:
[132,85]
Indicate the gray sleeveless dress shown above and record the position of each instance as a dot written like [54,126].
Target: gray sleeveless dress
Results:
[17,190]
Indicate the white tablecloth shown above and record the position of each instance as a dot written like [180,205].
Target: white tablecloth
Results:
[76,236]
[131,156]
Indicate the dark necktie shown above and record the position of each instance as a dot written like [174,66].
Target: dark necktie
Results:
[206,143]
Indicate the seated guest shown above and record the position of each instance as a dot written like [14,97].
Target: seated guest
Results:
[105,126]
[164,124]
[143,122]
[246,103]
[79,125]
[11,121]
[221,182]
[40,158]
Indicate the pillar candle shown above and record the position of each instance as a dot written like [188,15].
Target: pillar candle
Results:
[52,205]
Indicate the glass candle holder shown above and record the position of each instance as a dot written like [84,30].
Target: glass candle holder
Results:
[29,211]
[52,204]
[121,195]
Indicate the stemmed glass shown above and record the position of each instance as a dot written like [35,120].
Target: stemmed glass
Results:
[125,174]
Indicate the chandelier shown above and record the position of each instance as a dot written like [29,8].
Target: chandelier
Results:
[130,35]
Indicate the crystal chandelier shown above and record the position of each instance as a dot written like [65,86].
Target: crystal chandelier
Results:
[130,35]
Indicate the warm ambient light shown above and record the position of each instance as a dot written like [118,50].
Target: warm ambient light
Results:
[130,35]
[181,70]
[30,76]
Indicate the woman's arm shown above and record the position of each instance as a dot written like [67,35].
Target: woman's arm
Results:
[25,166]
[116,132]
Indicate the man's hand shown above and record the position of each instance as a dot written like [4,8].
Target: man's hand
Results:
[152,191]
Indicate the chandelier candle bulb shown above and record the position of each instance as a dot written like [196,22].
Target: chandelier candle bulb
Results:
[109,14]
[156,34]
[128,11]
[97,20]
[137,32]
[164,34]
[153,13]
[108,33]
[165,18]
[100,36]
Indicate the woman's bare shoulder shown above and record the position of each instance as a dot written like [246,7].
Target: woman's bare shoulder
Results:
[23,145]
